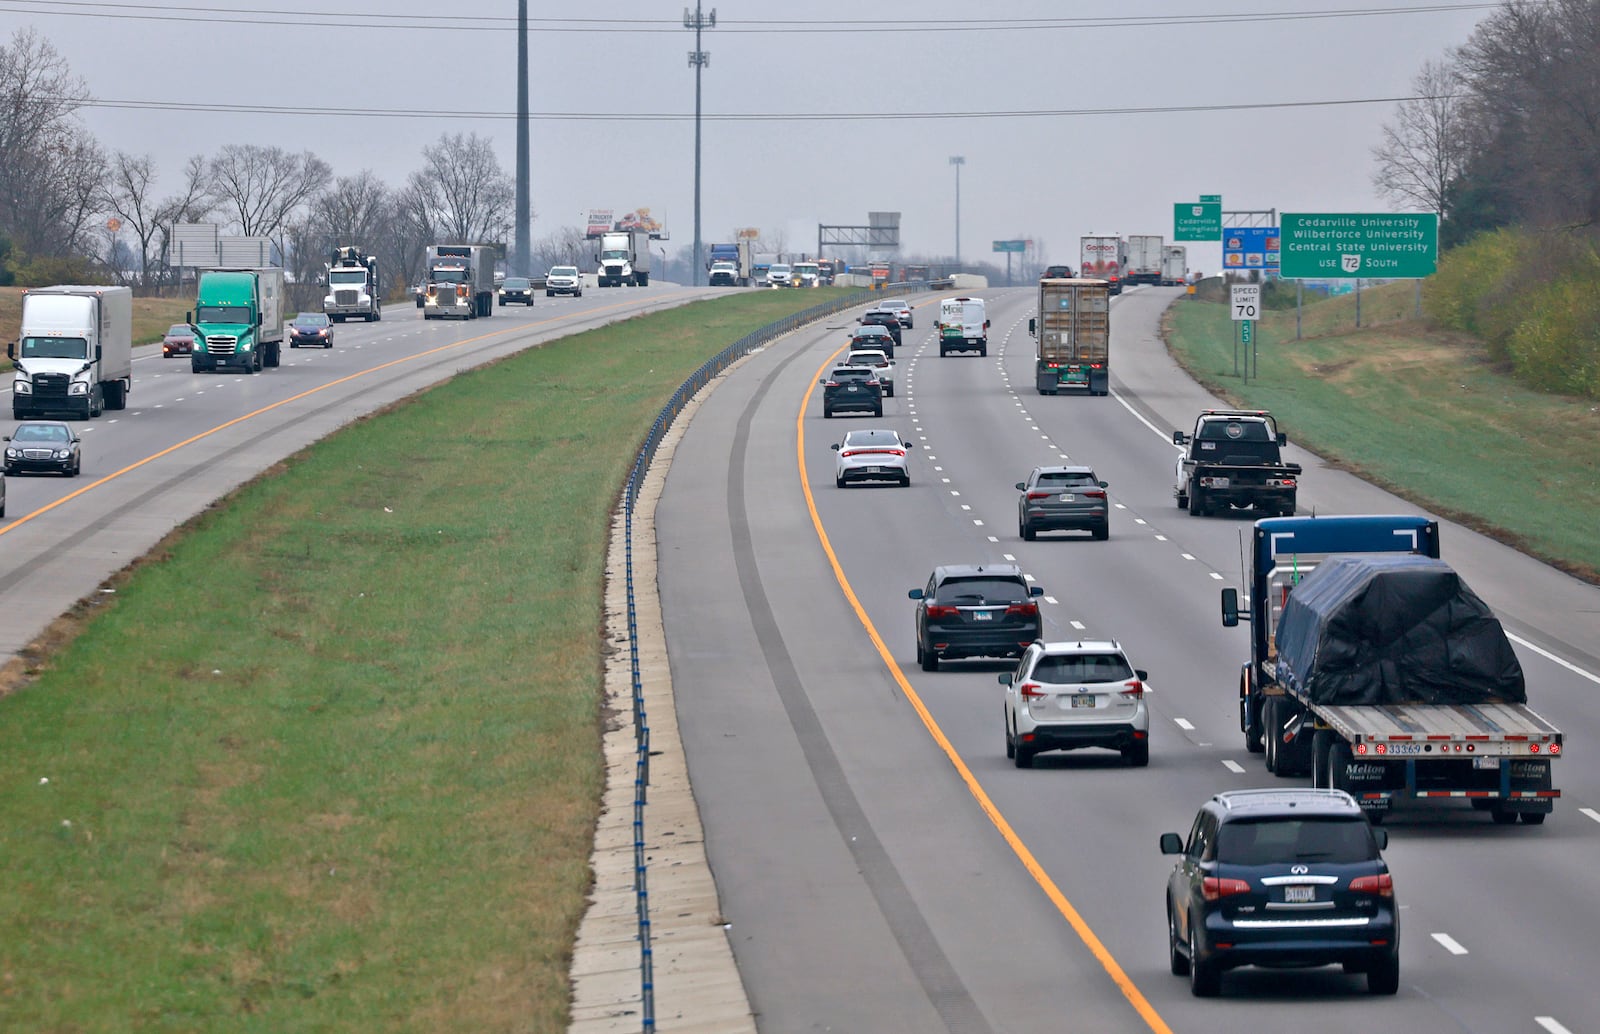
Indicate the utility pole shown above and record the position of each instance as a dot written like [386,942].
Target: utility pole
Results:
[958,161]
[698,59]
[521,256]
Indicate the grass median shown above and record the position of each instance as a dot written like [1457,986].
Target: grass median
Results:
[1420,411]
[329,760]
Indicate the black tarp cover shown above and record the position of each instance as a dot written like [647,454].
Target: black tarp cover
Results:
[1393,629]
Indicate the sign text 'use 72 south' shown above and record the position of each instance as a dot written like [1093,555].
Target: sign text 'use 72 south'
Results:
[1387,246]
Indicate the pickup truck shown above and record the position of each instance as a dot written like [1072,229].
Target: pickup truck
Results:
[1232,458]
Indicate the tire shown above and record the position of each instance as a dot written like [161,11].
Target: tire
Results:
[1502,817]
[1205,979]
[1137,755]
[1384,977]
[838,482]
[927,658]
[1177,961]
[983,352]
[118,399]
[1529,818]
[549,294]
[1321,748]
[905,482]
[890,392]
[294,344]
[1183,501]
[1102,533]
[1252,739]
[878,411]
[1269,733]
[1022,756]
[194,367]
[827,414]
[1197,501]
[77,467]
[97,404]
[1027,533]
[1011,744]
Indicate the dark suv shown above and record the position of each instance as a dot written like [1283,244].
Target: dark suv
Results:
[854,389]
[1281,878]
[1062,499]
[975,610]
[883,318]
[1057,273]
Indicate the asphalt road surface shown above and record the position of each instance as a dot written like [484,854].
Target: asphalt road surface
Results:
[881,864]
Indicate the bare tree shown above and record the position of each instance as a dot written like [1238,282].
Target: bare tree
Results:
[262,188]
[565,247]
[129,198]
[52,173]
[354,210]
[1424,149]
[469,196]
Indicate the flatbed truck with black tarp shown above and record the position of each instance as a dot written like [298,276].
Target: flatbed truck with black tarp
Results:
[1376,670]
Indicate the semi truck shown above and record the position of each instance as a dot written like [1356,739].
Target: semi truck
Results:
[1174,265]
[353,290]
[1103,256]
[1144,259]
[963,326]
[460,282]
[74,353]
[238,319]
[1072,337]
[1375,669]
[1234,457]
[624,258]
[737,254]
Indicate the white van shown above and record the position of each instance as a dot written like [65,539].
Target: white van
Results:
[963,326]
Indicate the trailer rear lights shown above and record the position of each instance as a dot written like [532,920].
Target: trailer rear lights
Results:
[1533,748]
[1555,748]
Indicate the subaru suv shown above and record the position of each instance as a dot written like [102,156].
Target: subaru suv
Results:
[1281,878]
[854,389]
[1064,696]
[975,610]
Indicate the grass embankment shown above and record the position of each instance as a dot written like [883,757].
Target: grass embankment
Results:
[151,316]
[332,761]
[1423,412]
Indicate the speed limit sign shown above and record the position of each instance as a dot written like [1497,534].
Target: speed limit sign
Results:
[1246,302]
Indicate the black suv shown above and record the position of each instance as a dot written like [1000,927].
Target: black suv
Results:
[883,318]
[1281,878]
[1057,273]
[975,610]
[854,389]
[516,289]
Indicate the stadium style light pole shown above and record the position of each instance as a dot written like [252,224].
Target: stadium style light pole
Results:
[522,244]
[698,59]
[958,161]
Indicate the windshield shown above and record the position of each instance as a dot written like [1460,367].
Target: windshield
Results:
[563,270]
[223,314]
[55,348]
[515,283]
[779,269]
[41,433]
[618,254]
[347,276]
[449,276]
[311,319]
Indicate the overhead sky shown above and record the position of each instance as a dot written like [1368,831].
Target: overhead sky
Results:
[1071,116]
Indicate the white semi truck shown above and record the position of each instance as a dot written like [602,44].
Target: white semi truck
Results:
[74,355]
[1144,259]
[1174,265]
[352,287]
[460,282]
[624,258]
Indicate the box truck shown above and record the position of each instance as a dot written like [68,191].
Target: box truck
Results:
[624,258]
[74,355]
[1103,256]
[1144,259]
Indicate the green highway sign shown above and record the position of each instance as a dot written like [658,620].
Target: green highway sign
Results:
[1197,221]
[1217,198]
[1343,246]
[1010,245]
[1246,333]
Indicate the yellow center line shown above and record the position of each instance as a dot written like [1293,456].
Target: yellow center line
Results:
[20,521]
[1125,984]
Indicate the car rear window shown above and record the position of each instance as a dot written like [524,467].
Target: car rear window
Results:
[1082,667]
[957,591]
[1295,840]
[860,438]
[1065,480]
[848,374]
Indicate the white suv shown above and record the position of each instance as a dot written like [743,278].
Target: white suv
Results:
[780,275]
[880,361]
[1064,696]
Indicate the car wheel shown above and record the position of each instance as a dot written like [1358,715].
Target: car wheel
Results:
[1269,728]
[1197,503]
[1321,750]
[1022,756]
[77,466]
[1103,532]
[1137,754]
[905,482]
[1502,817]
[1384,977]
[878,411]
[891,391]
[1011,744]
[827,413]
[1205,979]
[1026,531]
[838,481]
[928,659]
[1177,961]
[1183,501]
[294,344]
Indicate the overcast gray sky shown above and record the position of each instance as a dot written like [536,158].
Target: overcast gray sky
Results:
[613,100]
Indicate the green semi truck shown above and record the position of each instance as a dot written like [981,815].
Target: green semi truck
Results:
[238,319]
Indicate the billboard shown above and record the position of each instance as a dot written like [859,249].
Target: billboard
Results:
[599,222]
[1250,247]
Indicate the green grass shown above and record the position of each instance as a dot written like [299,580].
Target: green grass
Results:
[331,761]
[1422,412]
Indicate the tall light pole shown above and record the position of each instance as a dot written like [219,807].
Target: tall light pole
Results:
[958,161]
[523,247]
[698,59]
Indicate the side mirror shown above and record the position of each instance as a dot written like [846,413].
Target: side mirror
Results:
[1382,837]
[1141,674]
[823,381]
[1035,590]
[1004,680]
[11,350]
[834,446]
[1179,438]
[1033,325]
[1022,486]
[188,318]
[1171,843]
[1230,607]
[1104,485]
[909,445]
[97,353]
[1283,439]
[915,594]
[258,319]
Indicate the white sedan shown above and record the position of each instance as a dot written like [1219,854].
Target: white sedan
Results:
[900,308]
[872,455]
[878,360]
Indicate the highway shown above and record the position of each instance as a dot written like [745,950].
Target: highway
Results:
[882,866]
[187,439]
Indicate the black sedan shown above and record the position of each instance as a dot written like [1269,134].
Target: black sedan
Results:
[43,447]
[311,330]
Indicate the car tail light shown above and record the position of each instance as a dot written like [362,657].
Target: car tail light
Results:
[1280,482]
[831,384]
[1039,495]
[1131,688]
[1214,887]
[1381,885]
[936,611]
[1030,610]
[1096,494]
[1030,691]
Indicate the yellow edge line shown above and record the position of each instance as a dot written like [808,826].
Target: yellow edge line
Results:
[1126,985]
[20,521]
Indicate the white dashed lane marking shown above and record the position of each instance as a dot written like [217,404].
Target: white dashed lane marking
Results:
[1234,767]
[1450,944]
[1184,724]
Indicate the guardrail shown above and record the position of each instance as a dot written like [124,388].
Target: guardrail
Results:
[641,727]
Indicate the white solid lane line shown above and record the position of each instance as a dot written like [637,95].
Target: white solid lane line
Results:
[1450,944]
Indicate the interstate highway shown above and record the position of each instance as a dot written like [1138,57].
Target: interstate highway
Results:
[882,866]
[186,439]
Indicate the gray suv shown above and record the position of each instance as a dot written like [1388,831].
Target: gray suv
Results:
[1062,499]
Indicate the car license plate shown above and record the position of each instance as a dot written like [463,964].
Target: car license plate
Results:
[1299,894]
[874,470]
[1083,700]
[982,615]
[850,387]
[1067,497]
[1219,482]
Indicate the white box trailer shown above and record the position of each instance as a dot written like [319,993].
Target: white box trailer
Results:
[1144,258]
[74,355]
[1174,265]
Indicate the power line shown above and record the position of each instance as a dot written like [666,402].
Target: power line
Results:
[669,116]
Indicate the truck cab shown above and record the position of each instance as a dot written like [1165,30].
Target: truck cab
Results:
[1233,458]
[237,319]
